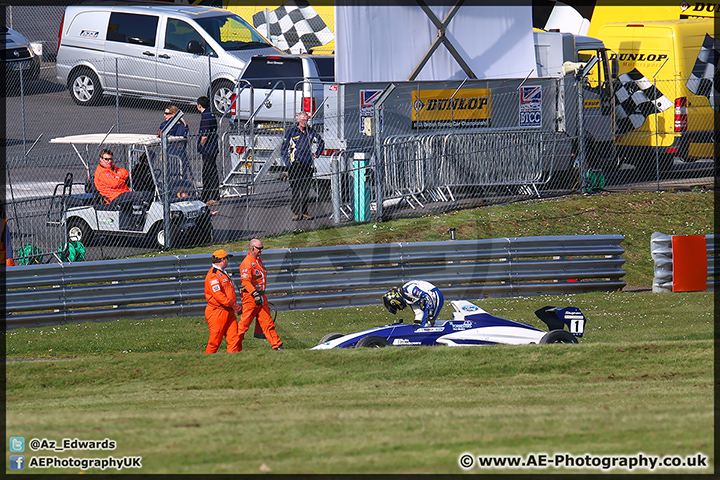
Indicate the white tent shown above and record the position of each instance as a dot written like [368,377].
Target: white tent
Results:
[413,41]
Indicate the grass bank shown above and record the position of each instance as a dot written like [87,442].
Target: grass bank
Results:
[635,215]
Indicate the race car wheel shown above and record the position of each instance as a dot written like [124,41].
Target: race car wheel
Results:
[372,341]
[329,337]
[79,231]
[559,336]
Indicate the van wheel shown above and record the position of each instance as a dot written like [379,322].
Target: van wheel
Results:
[222,90]
[78,230]
[85,87]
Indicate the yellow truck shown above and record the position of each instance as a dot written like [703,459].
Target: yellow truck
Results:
[665,94]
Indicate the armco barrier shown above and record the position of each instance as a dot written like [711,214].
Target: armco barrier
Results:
[317,277]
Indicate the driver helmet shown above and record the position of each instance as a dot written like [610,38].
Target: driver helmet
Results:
[394,301]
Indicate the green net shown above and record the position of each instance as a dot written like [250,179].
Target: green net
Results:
[28,255]
[595,180]
[73,251]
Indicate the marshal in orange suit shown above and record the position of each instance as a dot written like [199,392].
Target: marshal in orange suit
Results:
[222,305]
[254,302]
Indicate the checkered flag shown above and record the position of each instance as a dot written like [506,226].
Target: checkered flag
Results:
[295,27]
[635,99]
[705,73]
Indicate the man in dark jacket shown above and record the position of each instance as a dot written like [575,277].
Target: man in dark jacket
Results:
[207,147]
[299,155]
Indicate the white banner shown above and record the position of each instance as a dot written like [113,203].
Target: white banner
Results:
[386,43]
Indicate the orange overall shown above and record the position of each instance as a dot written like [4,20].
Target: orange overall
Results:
[253,277]
[219,313]
[5,250]
[111,182]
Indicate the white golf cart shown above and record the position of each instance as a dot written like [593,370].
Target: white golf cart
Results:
[87,214]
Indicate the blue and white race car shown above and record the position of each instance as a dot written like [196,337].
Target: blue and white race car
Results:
[471,325]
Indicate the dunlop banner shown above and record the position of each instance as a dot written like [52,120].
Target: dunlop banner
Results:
[439,108]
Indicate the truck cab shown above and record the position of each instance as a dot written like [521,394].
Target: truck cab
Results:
[556,54]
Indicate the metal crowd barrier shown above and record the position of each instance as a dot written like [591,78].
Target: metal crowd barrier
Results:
[434,163]
[318,277]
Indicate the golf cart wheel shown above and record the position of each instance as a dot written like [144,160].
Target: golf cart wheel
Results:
[329,337]
[79,231]
[559,336]
[222,91]
[157,235]
[85,87]
[372,341]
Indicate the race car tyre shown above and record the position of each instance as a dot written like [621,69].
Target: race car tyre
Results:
[372,341]
[559,336]
[222,91]
[329,337]
[85,87]
[78,230]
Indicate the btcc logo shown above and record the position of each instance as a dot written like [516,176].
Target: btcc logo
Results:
[640,57]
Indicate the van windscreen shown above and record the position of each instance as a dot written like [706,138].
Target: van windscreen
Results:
[232,32]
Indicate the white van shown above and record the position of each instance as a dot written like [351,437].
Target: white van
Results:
[155,50]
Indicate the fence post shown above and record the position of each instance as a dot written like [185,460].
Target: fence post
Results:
[335,187]
[117,96]
[379,158]
[22,108]
[581,132]
[166,190]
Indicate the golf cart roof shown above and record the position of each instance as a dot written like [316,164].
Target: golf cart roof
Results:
[113,139]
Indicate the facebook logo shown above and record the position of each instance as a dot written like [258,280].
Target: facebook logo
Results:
[17,444]
[17,462]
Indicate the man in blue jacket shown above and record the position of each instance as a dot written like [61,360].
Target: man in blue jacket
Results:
[207,147]
[299,155]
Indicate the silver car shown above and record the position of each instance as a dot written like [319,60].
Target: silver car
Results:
[155,51]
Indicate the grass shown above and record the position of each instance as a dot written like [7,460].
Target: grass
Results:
[641,380]
[635,215]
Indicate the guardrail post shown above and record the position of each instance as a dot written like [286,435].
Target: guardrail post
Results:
[335,187]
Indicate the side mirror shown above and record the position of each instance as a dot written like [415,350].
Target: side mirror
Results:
[194,46]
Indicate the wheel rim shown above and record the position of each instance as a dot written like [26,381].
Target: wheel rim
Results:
[75,233]
[161,237]
[221,99]
[83,88]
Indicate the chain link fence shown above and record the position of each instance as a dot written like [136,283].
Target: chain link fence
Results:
[471,148]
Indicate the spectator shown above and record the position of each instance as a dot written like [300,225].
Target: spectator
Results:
[180,129]
[207,147]
[299,156]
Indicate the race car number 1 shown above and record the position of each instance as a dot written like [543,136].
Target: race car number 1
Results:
[577,326]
